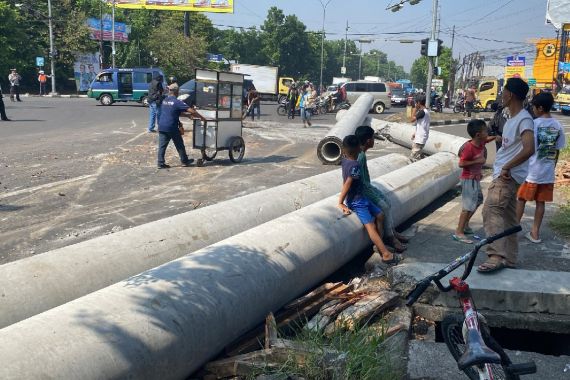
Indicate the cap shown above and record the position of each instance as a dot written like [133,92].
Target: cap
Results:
[173,87]
[41,71]
[518,87]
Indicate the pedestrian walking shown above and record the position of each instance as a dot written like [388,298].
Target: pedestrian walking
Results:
[14,78]
[509,171]
[470,97]
[155,95]
[42,79]
[169,127]
[253,103]
[421,134]
[3,115]
[306,105]
[292,101]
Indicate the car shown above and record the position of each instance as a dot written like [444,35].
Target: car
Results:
[562,100]
[378,90]
[399,97]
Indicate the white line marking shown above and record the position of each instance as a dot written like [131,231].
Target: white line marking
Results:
[45,186]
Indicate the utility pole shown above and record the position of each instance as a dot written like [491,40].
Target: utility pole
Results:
[430,59]
[344,56]
[51,50]
[437,36]
[101,52]
[323,42]
[113,36]
[451,84]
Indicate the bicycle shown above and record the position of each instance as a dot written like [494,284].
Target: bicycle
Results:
[468,338]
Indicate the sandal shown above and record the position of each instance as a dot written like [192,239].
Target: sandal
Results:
[401,238]
[529,237]
[461,239]
[491,266]
[397,245]
[468,231]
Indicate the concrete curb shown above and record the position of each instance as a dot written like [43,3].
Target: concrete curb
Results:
[55,96]
[457,121]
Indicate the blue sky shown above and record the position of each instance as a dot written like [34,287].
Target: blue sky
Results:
[508,21]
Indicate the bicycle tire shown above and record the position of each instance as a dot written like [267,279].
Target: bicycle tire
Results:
[452,332]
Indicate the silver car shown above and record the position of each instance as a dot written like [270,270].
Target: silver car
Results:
[378,90]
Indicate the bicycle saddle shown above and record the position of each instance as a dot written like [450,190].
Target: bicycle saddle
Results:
[477,352]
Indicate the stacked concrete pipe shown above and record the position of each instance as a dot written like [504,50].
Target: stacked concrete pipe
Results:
[39,283]
[329,150]
[167,322]
[401,134]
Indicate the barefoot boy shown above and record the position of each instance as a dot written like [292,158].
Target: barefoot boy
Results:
[369,214]
[471,159]
[549,138]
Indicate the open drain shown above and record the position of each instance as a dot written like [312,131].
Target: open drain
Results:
[524,340]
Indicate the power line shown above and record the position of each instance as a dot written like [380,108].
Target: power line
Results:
[488,14]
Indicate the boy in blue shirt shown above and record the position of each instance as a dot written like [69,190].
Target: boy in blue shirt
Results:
[352,192]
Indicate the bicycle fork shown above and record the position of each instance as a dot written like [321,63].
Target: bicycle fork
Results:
[477,354]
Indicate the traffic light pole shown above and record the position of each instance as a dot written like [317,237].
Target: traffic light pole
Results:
[430,59]
[51,50]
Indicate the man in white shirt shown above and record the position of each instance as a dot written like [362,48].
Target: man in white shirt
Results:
[509,171]
[421,134]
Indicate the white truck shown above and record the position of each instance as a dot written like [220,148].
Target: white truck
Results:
[265,79]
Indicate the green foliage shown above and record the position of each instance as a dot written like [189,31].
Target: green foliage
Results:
[560,222]
[419,69]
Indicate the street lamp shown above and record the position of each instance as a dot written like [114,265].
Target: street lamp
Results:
[360,61]
[51,49]
[324,5]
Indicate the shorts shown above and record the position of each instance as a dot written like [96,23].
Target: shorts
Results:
[306,114]
[365,210]
[471,194]
[541,192]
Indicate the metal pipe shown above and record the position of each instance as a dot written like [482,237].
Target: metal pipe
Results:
[329,150]
[39,283]
[51,50]
[113,35]
[167,322]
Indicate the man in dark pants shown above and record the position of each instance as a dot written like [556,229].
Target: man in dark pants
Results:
[14,78]
[155,91]
[168,127]
[2,109]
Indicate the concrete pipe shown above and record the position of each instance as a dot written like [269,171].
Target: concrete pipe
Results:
[401,134]
[167,322]
[329,150]
[39,283]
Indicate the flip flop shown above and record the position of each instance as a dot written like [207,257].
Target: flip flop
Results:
[468,231]
[531,239]
[493,266]
[461,240]
[393,260]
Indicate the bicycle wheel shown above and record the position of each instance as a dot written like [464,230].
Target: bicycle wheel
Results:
[452,331]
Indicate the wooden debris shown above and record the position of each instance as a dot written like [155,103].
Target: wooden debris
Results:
[271,334]
[363,310]
[296,313]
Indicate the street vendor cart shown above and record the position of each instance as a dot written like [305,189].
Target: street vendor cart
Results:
[219,97]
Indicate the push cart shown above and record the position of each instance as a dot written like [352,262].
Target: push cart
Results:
[219,97]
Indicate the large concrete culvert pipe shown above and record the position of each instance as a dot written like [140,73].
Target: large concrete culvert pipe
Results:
[329,150]
[167,322]
[39,283]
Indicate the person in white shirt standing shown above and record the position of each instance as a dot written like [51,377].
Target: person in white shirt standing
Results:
[549,138]
[421,134]
[509,171]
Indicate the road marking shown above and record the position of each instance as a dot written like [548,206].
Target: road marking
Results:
[45,186]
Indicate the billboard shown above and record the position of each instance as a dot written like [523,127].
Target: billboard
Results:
[515,61]
[121,29]
[514,72]
[216,6]
[85,70]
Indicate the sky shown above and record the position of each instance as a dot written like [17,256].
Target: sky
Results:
[511,23]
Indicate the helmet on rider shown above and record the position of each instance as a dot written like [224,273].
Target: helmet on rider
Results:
[172,79]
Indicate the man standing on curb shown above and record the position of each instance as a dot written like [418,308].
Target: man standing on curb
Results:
[168,127]
[509,171]
[3,115]
[42,78]
[14,78]
[155,91]
[421,134]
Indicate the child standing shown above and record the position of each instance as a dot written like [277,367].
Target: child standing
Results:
[365,136]
[549,138]
[471,159]
[369,214]
[421,134]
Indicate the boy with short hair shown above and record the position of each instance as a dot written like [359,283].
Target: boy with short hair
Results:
[365,136]
[421,133]
[549,138]
[369,214]
[472,157]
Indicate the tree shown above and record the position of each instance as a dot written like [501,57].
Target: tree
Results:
[420,68]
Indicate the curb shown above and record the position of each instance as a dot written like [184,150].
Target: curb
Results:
[55,96]
[458,121]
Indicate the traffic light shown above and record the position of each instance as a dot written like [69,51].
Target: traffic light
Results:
[439,47]
[424,48]
[437,71]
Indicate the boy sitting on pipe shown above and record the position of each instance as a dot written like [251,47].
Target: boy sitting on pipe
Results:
[365,136]
[352,192]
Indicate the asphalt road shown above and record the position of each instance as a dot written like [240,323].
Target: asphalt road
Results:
[71,170]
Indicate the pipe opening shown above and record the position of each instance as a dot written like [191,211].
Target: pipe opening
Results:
[331,151]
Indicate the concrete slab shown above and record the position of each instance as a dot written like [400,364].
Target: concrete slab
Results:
[516,290]
[422,356]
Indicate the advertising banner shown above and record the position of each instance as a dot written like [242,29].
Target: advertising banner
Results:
[121,29]
[515,61]
[85,69]
[215,6]
[514,72]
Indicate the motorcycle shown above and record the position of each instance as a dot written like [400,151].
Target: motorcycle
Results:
[283,109]
[437,105]
[459,105]
[333,105]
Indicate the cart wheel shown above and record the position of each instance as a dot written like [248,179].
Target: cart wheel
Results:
[237,149]
[209,154]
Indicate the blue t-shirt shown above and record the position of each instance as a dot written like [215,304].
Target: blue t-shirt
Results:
[169,113]
[351,168]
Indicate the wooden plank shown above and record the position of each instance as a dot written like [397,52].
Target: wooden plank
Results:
[271,333]
[309,297]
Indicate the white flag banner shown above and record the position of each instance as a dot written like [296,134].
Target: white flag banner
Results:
[558,12]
